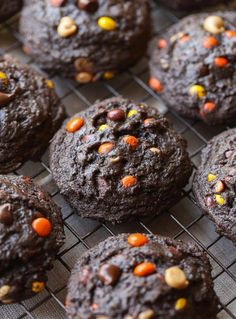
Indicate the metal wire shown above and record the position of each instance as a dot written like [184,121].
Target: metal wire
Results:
[173,223]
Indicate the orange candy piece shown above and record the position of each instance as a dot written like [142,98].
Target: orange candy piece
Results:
[155,85]
[137,240]
[210,42]
[144,269]
[230,33]
[209,107]
[74,124]
[221,62]
[128,181]
[105,148]
[162,43]
[42,226]
[184,38]
[132,141]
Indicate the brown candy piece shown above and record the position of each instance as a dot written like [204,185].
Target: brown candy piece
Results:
[5,214]
[88,5]
[5,99]
[109,274]
[83,64]
[116,115]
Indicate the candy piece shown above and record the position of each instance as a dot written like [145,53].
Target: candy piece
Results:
[175,278]
[42,226]
[49,84]
[221,62]
[129,181]
[137,240]
[211,177]
[83,64]
[147,314]
[219,187]
[3,77]
[149,121]
[38,286]
[214,24]
[107,23]
[5,99]
[88,5]
[144,269]
[162,43]
[109,274]
[185,38]
[103,127]
[5,214]
[132,113]
[155,150]
[108,75]
[210,42]
[132,141]
[155,84]
[230,33]
[84,77]
[198,91]
[57,3]
[209,107]
[181,304]
[74,124]
[105,148]
[219,200]
[4,290]
[116,115]
[66,27]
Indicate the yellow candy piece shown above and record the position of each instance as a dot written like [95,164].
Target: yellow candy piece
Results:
[108,75]
[220,200]
[132,113]
[38,286]
[3,77]
[107,23]
[197,90]
[211,177]
[180,304]
[103,127]
[4,290]
[49,84]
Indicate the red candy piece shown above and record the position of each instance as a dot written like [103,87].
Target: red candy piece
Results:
[137,240]
[210,42]
[221,62]
[162,43]
[155,84]
[42,226]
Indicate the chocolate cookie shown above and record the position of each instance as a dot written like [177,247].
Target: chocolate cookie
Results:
[31,233]
[193,67]
[30,114]
[8,8]
[86,39]
[119,159]
[141,276]
[189,4]
[215,183]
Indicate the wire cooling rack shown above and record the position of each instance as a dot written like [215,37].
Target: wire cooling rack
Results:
[183,221]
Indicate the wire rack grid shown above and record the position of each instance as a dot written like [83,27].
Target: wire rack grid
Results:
[183,221]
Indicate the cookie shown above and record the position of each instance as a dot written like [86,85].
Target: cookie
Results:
[193,67]
[30,114]
[138,276]
[189,4]
[215,180]
[119,159]
[86,39]
[31,233]
[9,8]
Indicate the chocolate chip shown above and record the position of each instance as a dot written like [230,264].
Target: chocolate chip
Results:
[116,115]
[5,99]
[109,274]
[5,214]
[88,5]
